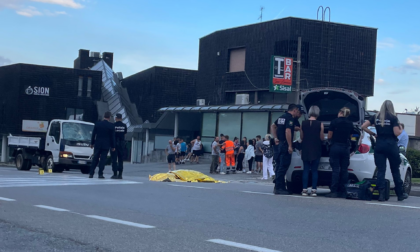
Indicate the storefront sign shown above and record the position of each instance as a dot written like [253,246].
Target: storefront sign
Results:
[43,91]
[34,126]
[281,74]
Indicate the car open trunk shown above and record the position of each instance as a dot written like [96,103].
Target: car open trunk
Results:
[330,101]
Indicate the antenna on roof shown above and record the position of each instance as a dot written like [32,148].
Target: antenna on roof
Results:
[260,17]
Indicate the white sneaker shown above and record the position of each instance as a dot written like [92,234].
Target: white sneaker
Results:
[243,171]
[222,173]
[313,193]
[305,192]
[250,172]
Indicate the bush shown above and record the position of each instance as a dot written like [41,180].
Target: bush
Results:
[413,157]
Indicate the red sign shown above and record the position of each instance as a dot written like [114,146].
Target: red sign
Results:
[283,71]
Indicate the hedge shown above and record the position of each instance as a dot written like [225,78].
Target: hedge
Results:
[413,157]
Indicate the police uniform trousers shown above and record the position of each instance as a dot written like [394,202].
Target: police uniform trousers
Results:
[283,160]
[388,149]
[339,161]
[118,156]
[99,156]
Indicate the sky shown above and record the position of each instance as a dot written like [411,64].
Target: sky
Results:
[142,34]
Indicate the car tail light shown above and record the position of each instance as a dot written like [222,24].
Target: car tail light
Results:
[298,167]
[350,169]
[364,148]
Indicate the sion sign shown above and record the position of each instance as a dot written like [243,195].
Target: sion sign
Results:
[281,74]
[44,91]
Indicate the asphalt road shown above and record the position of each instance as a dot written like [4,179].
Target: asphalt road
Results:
[69,212]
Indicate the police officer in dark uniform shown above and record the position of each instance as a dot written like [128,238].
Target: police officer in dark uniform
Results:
[388,129]
[120,131]
[339,132]
[103,139]
[282,130]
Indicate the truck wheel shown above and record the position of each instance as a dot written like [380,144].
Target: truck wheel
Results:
[85,169]
[22,164]
[50,165]
[407,182]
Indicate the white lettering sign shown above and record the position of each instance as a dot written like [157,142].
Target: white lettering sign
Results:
[43,91]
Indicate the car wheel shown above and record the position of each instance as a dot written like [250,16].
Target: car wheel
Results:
[50,165]
[85,169]
[407,182]
[295,186]
[22,164]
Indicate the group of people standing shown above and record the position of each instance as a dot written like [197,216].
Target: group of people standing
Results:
[233,156]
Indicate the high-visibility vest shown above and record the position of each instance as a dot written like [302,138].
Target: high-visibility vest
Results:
[230,147]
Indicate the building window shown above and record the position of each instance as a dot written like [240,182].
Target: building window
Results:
[80,87]
[230,124]
[254,123]
[74,114]
[209,124]
[89,87]
[237,60]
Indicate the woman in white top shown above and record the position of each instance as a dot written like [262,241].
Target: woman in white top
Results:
[249,155]
[196,149]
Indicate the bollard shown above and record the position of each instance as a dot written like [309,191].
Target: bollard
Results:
[41,171]
[49,170]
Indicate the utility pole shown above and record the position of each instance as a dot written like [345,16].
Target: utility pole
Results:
[298,69]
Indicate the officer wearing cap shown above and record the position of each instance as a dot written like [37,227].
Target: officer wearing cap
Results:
[282,130]
[118,154]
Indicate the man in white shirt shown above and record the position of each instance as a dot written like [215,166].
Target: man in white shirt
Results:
[196,149]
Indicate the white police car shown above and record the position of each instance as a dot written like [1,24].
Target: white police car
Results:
[362,164]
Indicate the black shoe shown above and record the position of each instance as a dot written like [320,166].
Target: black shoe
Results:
[403,197]
[120,176]
[342,195]
[381,195]
[90,176]
[114,177]
[281,192]
[101,177]
[332,195]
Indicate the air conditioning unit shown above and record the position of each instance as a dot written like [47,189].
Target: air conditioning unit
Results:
[95,55]
[242,99]
[201,102]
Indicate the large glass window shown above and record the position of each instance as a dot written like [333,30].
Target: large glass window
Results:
[254,123]
[80,86]
[275,116]
[230,124]
[74,114]
[77,132]
[237,60]
[209,124]
[206,142]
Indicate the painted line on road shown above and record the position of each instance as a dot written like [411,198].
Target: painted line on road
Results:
[6,199]
[52,208]
[128,223]
[272,194]
[380,204]
[191,186]
[242,246]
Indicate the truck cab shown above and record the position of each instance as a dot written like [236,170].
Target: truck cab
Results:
[65,145]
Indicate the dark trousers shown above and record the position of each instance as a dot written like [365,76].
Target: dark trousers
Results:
[214,163]
[118,157]
[388,149]
[283,160]
[339,161]
[239,161]
[313,166]
[102,154]
[250,161]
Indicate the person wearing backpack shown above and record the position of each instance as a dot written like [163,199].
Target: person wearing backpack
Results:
[268,153]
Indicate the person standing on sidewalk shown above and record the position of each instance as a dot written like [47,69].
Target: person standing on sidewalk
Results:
[403,139]
[249,156]
[312,135]
[118,154]
[215,149]
[339,132]
[283,129]
[196,149]
[183,150]
[258,155]
[222,155]
[268,153]
[170,153]
[230,156]
[103,139]
[240,157]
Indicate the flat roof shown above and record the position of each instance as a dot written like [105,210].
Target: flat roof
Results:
[274,20]
[227,108]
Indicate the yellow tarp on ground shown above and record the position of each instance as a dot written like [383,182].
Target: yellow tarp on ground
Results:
[183,176]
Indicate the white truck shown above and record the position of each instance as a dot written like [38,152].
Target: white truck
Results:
[66,145]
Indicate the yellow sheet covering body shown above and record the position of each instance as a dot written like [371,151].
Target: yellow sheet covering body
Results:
[183,176]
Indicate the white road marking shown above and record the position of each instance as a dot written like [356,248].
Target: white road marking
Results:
[128,223]
[380,204]
[52,208]
[242,246]
[191,186]
[272,194]
[6,199]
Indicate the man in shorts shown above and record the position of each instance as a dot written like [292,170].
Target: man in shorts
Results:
[196,149]
[183,150]
[170,153]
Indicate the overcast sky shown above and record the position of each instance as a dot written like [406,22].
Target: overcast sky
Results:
[146,33]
